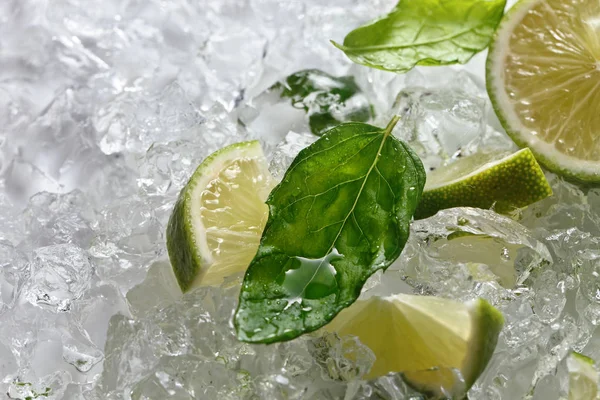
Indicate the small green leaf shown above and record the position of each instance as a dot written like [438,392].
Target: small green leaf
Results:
[341,212]
[425,32]
[327,100]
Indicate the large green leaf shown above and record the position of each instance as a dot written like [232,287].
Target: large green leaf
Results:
[425,32]
[341,213]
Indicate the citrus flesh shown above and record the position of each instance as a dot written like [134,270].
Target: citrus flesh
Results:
[414,334]
[543,77]
[503,181]
[482,255]
[583,377]
[217,222]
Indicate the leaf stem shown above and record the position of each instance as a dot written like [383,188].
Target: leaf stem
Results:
[390,127]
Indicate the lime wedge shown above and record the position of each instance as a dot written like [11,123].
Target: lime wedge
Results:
[485,180]
[543,77]
[583,377]
[217,222]
[419,333]
[483,257]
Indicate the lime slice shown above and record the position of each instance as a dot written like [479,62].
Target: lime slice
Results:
[583,377]
[484,180]
[217,222]
[487,258]
[418,333]
[543,77]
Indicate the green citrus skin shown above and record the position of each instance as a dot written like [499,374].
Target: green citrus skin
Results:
[180,244]
[514,182]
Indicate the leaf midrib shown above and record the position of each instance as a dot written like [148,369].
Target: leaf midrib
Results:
[415,44]
[386,134]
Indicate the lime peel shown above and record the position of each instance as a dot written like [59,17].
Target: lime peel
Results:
[485,180]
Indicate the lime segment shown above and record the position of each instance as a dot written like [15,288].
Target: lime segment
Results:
[485,180]
[417,333]
[583,377]
[215,227]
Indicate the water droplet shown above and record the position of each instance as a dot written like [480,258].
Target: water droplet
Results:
[311,278]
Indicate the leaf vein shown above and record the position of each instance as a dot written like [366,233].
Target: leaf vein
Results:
[417,44]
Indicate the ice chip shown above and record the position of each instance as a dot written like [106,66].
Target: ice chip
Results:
[160,288]
[59,275]
[133,121]
[442,124]
[13,274]
[456,248]
[286,151]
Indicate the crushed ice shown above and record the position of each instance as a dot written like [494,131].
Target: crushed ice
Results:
[106,108]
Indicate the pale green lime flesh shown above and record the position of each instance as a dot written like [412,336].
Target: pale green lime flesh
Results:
[503,182]
[482,255]
[217,221]
[583,377]
[543,78]
[415,334]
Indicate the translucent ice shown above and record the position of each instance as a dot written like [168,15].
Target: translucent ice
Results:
[59,275]
[107,108]
[456,249]
[287,150]
[444,116]
[135,120]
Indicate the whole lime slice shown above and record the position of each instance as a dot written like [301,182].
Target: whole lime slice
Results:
[543,77]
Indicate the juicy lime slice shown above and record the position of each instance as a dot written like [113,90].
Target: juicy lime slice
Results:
[419,333]
[217,222]
[543,77]
[583,377]
[485,180]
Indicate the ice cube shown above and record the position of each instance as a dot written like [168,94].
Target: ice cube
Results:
[445,252]
[13,274]
[159,289]
[51,386]
[445,123]
[135,120]
[286,151]
[59,218]
[59,275]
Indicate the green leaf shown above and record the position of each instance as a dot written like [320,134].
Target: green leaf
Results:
[425,32]
[327,100]
[341,212]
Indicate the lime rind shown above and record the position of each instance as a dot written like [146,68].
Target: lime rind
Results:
[186,238]
[488,325]
[511,182]
[582,360]
[572,168]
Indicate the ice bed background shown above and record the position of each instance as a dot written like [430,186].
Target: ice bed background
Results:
[106,108]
